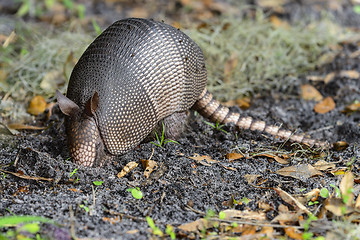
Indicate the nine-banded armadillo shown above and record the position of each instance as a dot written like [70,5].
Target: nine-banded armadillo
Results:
[135,74]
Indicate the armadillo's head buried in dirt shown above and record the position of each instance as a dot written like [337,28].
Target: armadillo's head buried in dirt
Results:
[85,143]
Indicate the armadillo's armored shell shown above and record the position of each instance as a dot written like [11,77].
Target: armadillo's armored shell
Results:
[143,71]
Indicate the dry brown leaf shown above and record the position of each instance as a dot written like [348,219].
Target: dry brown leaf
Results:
[150,166]
[200,159]
[128,167]
[312,195]
[292,233]
[132,231]
[234,156]
[340,145]
[230,168]
[246,214]
[357,203]
[74,190]
[302,171]
[322,165]
[37,105]
[335,206]
[276,158]
[249,230]
[251,178]
[325,106]
[277,22]
[243,103]
[291,200]
[315,78]
[288,217]
[230,65]
[329,77]
[346,188]
[352,108]
[308,92]
[265,206]
[350,74]
[20,126]
[194,226]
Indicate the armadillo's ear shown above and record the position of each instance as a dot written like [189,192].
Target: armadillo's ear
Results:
[67,106]
[92,104]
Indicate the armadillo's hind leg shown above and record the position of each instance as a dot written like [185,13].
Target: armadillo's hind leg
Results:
[172,126]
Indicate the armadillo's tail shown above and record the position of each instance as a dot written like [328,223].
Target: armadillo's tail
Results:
[210,108]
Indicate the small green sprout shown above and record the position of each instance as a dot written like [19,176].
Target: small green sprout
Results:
[312,203]
[324,193]
[217,126]
[160,142]
[155,229]
[337,191]
[96,27]
[222,215]
[170,231]
[98,183]
[135,192]
[85,207]
[73,173]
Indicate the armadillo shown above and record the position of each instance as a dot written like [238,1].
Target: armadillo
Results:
[135,74]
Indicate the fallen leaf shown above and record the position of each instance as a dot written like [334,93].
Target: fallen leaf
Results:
[245,214]
[251,178]
[302,171]
[312,195]
[350,74]
[336,207]
[194,226]
[322,165]
[315,78]
[276,158]
[200,159]
[308,92]
[340,145]
[133,231]
[243,103]
[357,203]
[112,220]
[346,188]
[354,107]
[20,126]
[277,22]
[329,77]
[291,200]
[37,105]
[234,156]
[128,167]
[230,168]
[325,106]
[293,233]
[150,166]
[74,190]
[286,217]
[249,230]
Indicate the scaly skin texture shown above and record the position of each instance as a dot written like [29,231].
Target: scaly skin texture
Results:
[135,74]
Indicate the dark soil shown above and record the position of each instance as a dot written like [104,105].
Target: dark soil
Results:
[181,190]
